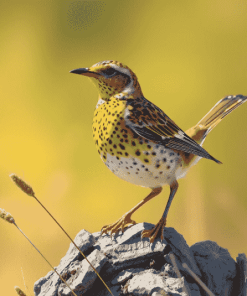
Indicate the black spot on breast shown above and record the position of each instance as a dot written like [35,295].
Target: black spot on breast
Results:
[121,146]
[138,152]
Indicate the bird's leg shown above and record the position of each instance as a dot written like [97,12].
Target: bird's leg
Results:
[125,220]
[157,231]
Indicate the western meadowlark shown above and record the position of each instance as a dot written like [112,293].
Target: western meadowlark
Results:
[139,143]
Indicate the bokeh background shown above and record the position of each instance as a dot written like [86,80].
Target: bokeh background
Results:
[187,56]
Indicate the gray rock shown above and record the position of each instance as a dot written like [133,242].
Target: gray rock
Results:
[41,282]
[216,265]
[131,266]
[129,251]
[181,251]
[124,275]
[84,276]
[104,292]
[49,285]
[150,281]
[189,288]
[84,240]
[193,289]
[242,270]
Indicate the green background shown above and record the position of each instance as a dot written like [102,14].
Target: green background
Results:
[187,56]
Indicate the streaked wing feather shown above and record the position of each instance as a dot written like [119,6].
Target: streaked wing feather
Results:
[159,128]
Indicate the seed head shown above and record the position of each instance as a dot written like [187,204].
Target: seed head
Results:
[22,185]
[19,291]
[6,216]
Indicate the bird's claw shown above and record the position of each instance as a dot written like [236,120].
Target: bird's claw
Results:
[124,222]
[156,232]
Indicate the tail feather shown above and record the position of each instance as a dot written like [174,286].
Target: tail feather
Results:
[214,116]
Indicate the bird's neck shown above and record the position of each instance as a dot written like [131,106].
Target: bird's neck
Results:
[127,93]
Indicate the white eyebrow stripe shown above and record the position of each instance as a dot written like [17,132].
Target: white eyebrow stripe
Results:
[122,70]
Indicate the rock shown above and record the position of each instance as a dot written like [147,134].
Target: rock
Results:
[124,275]
[131,266]
[149,281]
[84,240]
[242,271]
[216,265]
[83,277]
[181,251]
[41,282]
[49,284]
[128,250]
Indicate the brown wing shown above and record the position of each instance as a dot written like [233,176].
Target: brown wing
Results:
[150,122]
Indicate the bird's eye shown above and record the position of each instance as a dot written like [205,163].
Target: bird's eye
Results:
[110,72]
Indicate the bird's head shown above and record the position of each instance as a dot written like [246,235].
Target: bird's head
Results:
[111,78]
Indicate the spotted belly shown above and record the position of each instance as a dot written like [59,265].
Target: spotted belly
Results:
[160,170]
[129,156]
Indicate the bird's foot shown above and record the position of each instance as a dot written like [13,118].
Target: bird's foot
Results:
[156,232]
[121,224]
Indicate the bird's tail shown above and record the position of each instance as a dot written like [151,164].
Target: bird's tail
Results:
[214,116]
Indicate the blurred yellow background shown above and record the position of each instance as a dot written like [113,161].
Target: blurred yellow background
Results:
[187,56]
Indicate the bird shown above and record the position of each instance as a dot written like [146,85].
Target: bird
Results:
[140,144]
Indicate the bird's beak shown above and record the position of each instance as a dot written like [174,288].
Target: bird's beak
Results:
[84,71]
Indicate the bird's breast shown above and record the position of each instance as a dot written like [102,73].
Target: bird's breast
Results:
[129,156]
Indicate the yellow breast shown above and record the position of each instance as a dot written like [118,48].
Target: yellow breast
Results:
[107,127]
